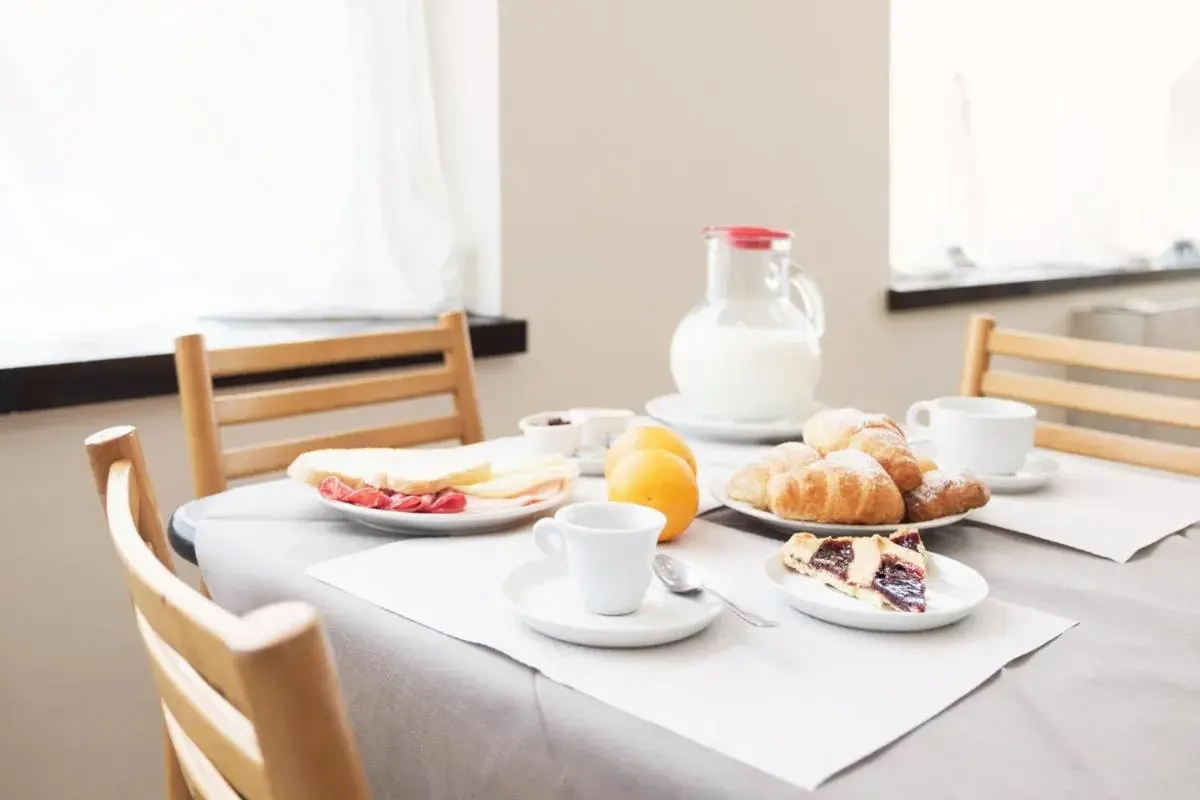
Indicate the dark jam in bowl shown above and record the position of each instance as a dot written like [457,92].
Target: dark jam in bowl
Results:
[556,421]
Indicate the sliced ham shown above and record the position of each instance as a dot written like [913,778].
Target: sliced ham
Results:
[368,497]
[447,501]
[405,502]
[332,488]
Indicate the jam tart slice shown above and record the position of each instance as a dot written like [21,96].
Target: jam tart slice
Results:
[886,571]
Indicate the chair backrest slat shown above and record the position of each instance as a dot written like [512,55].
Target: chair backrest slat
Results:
[1118,447]
[236,409]
[204,413]
[316,352]
[984,340]
[1128,403]
[204,782]
[242,462]
[251,704]
[1154,362]
[217,728]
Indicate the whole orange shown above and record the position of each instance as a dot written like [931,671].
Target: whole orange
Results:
[661,480]
[647,437]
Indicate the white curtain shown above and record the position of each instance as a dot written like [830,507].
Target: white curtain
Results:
[1044,132]
[163,159]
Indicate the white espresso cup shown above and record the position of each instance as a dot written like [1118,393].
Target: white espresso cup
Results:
[608,549]
[982,434]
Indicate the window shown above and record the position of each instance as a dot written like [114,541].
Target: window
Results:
[1035,133]
[164,159]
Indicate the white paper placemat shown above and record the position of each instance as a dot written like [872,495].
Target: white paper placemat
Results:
[801,701]
[1100,507]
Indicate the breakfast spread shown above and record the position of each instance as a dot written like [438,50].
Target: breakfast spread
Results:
[429,481]
[853,469]
[885,571]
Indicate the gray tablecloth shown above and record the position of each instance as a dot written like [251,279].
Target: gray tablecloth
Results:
[1111,709]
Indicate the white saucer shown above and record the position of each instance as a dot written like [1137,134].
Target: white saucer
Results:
[1039,469]
[952,591]
[674,411]
[545,599]
[720,478]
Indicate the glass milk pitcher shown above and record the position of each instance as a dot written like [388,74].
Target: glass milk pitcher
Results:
[749,353]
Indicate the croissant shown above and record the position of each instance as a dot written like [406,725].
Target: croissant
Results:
[832,429]
[893,454]
[791,455]
[749,484]
[875,434]
[943,494]
[847,487]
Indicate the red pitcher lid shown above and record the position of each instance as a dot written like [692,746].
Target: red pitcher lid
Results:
[746,237]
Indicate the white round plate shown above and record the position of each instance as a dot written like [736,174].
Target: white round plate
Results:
[719,479]
[465,522]
[952,591]
[673,410]
[543,597]
[1039,469]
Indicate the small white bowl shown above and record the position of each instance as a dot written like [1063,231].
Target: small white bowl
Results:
[601,425]
[563,439]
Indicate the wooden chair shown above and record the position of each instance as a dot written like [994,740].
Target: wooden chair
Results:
[250,704]
[985,340]
[204,414]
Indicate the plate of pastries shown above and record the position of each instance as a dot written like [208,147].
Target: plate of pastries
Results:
[854,473]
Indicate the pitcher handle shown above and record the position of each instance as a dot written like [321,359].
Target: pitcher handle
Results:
[810,298]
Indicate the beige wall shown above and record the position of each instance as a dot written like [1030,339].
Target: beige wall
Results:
[625,127]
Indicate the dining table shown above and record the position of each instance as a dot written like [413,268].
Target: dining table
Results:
[1108,709]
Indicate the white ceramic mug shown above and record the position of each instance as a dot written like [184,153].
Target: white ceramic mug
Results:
[608,549]
[985,435]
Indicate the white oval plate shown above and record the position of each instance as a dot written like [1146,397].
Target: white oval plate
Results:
[716,485]
[464,522]
[674,411]
[542,596]
[1039,470]
[952,591]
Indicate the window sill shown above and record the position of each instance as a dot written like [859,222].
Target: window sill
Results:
[128,365]
[978,285]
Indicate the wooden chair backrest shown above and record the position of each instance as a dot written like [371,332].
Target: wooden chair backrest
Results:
[251,705]
[985,340]
[204,414]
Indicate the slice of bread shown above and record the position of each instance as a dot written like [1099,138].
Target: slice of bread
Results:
[409,471]
[428,471]
[355,468]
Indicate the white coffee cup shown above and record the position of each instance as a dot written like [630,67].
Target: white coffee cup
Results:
[985,435]
[608,549]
